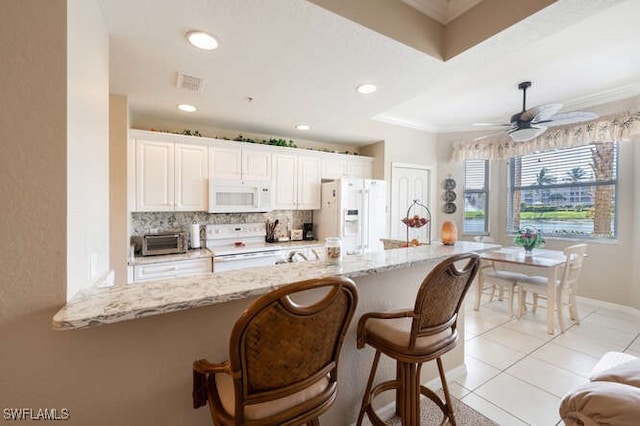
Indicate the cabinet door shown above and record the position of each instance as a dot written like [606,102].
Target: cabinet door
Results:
[154,176]
[178,268]
[309,181]
[284,183]
[256,164]
[334,167]
[360,168]
[225,162]
[191,178]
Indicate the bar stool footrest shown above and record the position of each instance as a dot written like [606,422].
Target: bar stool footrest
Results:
[397,385]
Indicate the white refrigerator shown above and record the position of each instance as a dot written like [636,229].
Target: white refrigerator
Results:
[354,210]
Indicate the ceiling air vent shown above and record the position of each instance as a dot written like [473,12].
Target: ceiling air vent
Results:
[189,82]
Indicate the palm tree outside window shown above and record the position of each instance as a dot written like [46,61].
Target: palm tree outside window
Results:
[565,193]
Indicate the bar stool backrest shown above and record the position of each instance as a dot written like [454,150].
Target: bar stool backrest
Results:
[441,294]
[279,347]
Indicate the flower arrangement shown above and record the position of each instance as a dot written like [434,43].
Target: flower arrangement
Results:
[529,238]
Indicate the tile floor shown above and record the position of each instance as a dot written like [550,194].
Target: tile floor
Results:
[517,373]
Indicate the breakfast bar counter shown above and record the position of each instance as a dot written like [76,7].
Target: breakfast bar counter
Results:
[181,320]
[98,306]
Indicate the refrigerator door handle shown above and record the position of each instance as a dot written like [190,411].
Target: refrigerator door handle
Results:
[364,221]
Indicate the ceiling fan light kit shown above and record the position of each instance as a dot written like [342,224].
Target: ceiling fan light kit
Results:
[526,124]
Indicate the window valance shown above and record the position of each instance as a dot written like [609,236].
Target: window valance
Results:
[606,129]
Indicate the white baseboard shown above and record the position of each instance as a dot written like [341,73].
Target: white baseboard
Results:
[603,304]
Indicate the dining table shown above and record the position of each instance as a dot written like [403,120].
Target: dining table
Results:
[541,262]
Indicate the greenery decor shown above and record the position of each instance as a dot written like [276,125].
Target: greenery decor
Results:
[529,238]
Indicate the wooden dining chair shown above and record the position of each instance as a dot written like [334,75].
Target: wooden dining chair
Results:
[283,357]
[493,280]
[566,288]
[412,337]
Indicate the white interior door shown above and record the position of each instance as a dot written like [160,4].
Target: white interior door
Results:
[409,182]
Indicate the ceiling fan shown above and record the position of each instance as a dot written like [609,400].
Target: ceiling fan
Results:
[531,123]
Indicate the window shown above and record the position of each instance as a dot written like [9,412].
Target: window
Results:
[566,193]
[476,195]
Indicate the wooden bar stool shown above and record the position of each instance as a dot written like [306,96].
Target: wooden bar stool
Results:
[283,357]
[416,336]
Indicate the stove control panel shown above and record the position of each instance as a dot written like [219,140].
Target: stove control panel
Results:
[230,230]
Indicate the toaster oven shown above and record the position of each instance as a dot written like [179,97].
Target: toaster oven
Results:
[165,243]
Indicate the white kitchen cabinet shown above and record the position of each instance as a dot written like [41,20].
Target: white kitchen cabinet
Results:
[238,162]
[336,166]
[191,181]
[154,176]
[309,183]
[170,176]
[360,167]
[296,182]
[225,162]
[173,269]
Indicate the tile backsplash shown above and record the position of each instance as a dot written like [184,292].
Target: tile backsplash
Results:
[154,222]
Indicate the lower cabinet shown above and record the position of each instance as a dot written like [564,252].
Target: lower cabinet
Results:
[173,269]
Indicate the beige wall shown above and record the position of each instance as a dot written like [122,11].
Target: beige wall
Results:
[376,151]
[87,145]
[118,216]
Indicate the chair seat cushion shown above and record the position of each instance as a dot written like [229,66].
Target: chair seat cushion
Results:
[534,280]
[598,403]
[510,276]
[224,385]
[398,330]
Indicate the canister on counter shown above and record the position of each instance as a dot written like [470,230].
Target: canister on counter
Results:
[333,248]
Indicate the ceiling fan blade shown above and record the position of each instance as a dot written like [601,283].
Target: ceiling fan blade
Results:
[540,112]
[571,117]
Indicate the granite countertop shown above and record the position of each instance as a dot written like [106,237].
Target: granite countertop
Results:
[97,306]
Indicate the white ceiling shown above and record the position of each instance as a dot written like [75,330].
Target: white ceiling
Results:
[301,63]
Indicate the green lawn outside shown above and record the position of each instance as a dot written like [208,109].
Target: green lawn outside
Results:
[556,215]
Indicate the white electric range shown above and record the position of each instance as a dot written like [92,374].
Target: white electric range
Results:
[241,245]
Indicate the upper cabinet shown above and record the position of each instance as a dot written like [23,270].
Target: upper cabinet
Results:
[335,166]
[296,182]
[154,176]
[191,181]
[239,162]
[170,176]
[172,172]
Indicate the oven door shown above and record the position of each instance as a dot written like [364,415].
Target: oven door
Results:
[245,260]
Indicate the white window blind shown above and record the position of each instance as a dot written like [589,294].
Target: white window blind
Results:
[476,173]
[566,193]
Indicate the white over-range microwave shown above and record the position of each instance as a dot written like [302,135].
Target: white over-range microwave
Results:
[239,196]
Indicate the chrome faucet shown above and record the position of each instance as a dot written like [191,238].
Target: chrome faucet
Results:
[293,254]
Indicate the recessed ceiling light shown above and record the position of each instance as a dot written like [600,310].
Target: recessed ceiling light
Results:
[365,89]
[202,40]
[303,127]
[187,108]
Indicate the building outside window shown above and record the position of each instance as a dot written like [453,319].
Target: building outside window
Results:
[567,193]
[476,196]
